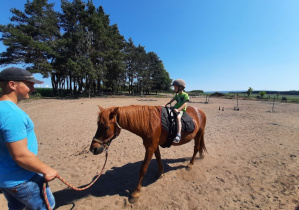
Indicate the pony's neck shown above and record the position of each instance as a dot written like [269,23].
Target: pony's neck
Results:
[138,119]
[125,120]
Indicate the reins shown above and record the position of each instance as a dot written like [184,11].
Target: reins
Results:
[105,143]
[69,185]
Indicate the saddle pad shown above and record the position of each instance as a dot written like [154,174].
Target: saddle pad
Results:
[168,121]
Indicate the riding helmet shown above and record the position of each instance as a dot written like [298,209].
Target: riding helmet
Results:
[179,82]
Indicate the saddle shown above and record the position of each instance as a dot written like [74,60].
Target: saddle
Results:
[169,124]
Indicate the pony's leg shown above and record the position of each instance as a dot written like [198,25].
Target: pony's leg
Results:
[160,165]
[148,156]
[197,140]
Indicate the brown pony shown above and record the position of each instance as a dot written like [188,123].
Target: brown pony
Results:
[145,121]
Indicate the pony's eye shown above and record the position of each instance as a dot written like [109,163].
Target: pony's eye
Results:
[104,126]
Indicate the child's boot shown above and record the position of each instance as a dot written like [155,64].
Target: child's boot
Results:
[177,138]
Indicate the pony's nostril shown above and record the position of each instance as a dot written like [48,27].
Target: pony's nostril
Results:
[96,151]
[100,150]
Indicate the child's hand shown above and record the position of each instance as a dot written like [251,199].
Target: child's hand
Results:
[176,110]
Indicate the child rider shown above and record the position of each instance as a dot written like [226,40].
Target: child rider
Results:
[180,107]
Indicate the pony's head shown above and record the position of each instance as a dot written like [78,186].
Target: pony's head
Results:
[108,129]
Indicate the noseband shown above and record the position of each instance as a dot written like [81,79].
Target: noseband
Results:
[106,143]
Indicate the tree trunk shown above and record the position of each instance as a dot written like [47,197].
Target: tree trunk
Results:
[54,84]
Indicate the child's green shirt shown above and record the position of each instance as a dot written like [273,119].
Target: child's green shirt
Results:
[181,98]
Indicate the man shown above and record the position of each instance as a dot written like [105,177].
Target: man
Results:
[22,173]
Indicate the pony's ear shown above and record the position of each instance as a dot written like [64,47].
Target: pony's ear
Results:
[113,113]
[101,108]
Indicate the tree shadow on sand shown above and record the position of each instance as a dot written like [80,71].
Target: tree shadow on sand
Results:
[117,181]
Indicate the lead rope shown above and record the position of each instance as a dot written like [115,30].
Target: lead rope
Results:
[74,188]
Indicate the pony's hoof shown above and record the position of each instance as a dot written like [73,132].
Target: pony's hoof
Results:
[133,200]
[134,197]
[161,176]
[189,167]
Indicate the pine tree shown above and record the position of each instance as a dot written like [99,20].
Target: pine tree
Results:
[33,38]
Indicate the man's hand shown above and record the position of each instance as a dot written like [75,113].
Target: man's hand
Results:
[51,174]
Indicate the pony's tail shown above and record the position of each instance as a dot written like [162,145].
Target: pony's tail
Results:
[202,146]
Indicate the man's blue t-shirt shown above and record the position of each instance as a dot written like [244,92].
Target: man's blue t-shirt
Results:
[15,125]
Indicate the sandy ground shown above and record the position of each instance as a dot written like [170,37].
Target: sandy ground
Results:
[252,160]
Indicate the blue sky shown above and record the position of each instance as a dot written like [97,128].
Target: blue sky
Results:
[214,45]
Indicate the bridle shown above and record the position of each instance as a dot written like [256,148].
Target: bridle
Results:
[106,143]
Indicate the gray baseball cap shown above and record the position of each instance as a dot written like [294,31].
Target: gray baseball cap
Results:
[18,74]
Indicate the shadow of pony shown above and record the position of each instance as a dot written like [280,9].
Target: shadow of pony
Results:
[117,181]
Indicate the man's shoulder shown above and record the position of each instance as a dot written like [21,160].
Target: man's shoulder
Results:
[10,110]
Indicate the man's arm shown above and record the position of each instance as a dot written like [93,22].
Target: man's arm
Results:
[29,161]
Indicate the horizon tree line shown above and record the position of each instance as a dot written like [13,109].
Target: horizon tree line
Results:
[79,50]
